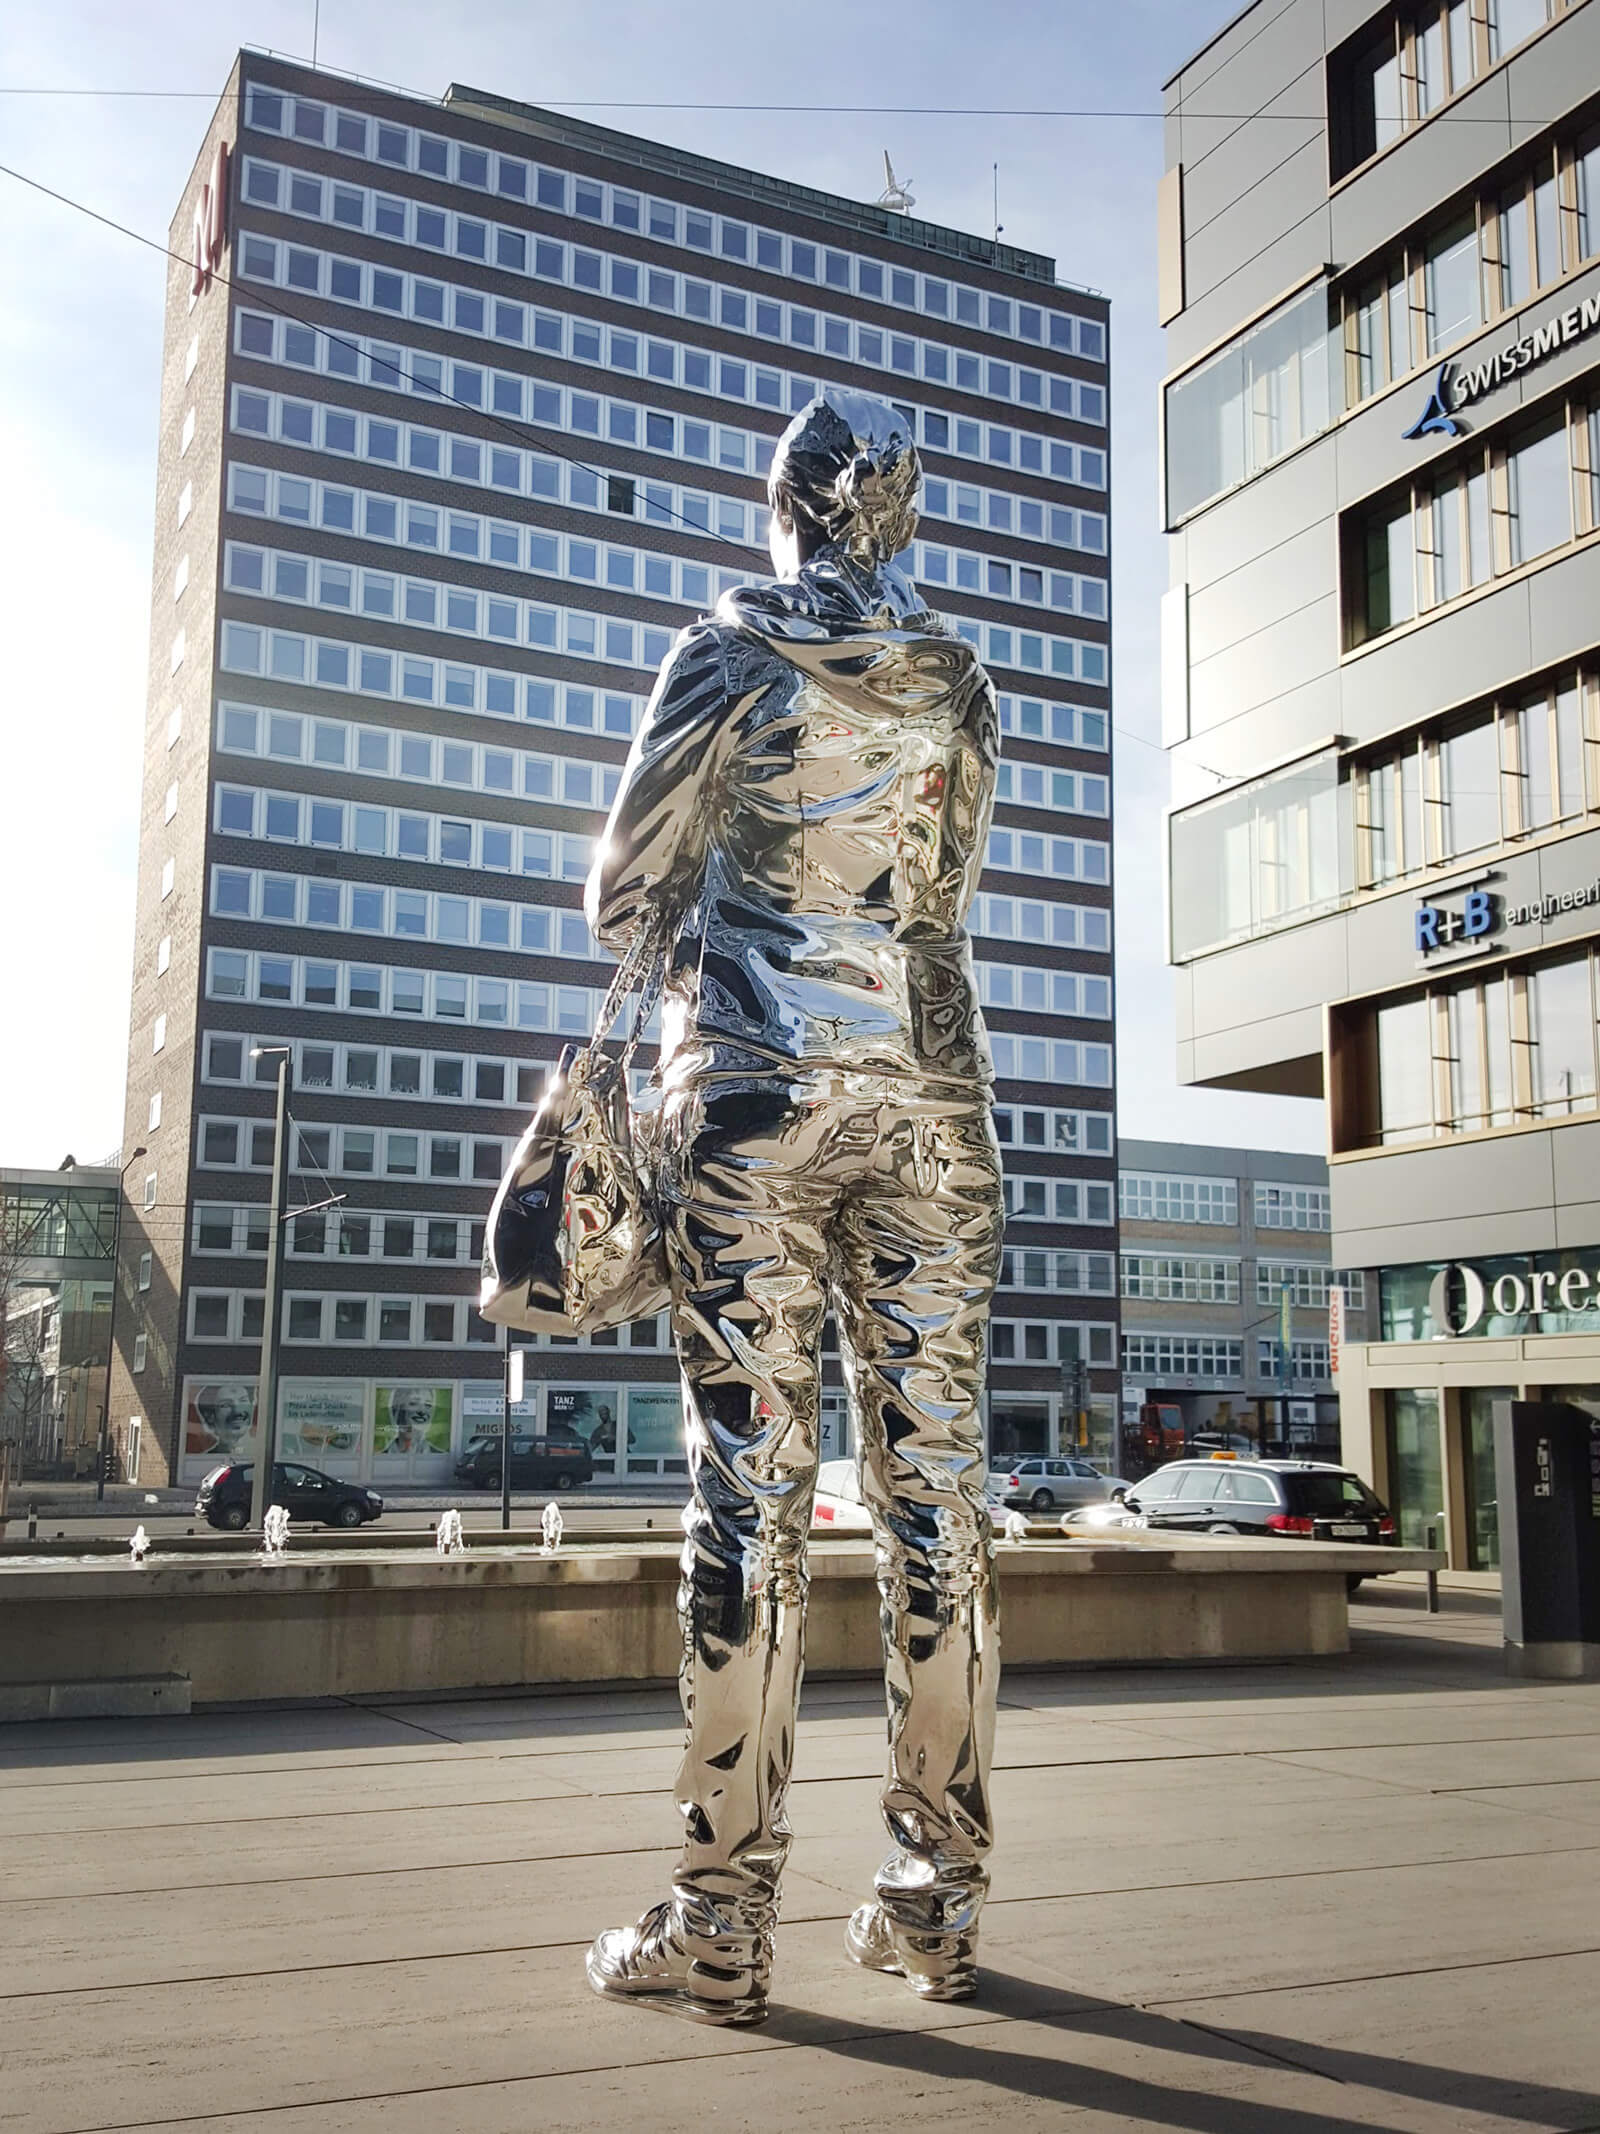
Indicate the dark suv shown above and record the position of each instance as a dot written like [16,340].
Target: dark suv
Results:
[1298,1499]
[304,1492]
[560,1460]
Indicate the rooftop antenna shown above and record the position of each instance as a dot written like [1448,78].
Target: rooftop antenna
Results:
[897,198]
[998,224]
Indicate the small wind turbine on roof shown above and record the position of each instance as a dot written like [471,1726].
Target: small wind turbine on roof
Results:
[897,198]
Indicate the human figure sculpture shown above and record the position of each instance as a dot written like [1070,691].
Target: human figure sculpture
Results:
[803,819]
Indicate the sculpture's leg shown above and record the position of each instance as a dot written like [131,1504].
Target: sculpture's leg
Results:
[746,1249]
[918,1257]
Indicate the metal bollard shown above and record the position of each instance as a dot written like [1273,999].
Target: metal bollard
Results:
[1433,1576]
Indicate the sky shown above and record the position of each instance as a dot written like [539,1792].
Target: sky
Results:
[80,345]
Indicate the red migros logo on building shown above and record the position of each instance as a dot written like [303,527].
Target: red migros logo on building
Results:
[211,223]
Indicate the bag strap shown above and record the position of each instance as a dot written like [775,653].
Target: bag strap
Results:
[646,951]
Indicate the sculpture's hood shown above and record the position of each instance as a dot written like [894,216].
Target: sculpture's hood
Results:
[856,631]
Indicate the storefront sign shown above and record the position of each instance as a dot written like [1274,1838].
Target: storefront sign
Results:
[1459,1297]
[1335,1327]
[1479,914]
[1460,385]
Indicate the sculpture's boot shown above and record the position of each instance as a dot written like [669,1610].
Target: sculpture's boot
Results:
[937,1967]
[718,1982]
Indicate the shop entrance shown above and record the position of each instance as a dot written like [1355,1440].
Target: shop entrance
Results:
[1416,1464]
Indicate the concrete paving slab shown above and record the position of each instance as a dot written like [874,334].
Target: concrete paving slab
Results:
[1514,2041]
[1256,1901]
[1093,2071]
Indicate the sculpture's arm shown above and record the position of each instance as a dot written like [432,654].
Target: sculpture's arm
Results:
[655,835]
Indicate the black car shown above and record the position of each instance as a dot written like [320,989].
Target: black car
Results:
[304,1492]
[560,1460]
[1303,1500]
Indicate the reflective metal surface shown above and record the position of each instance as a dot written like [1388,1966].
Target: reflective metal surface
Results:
[804,812]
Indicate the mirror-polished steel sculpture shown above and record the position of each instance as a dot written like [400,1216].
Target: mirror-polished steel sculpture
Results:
[804,813]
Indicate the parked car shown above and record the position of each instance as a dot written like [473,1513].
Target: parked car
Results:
[1044,1485]
[837,1507]
[225,1496]
[561,1459]
[1303,1500]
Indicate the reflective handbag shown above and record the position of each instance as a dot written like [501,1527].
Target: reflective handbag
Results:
[572,1243]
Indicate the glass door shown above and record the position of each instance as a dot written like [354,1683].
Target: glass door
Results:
[1483,1511]
[1416,1465]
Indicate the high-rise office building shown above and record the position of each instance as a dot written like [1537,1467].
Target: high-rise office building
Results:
[1382,429]
[466,409]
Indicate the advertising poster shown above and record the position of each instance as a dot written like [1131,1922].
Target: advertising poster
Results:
[589,1410]
[320,1421]
[219,1420]
[655,1423]
[411,1427]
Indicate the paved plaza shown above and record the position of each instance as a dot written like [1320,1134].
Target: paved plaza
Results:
[1353,1893]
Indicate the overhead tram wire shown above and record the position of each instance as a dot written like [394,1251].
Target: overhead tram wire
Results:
[253,292]
[519,432]
[371,96]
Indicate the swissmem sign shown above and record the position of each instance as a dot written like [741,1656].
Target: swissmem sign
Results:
[1459,385]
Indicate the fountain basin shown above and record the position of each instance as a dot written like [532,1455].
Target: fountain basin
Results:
[352,1622]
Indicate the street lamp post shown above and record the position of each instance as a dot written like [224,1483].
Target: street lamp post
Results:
[111,1330]
[272,1310]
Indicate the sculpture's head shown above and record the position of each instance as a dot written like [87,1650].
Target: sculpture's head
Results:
[845,471]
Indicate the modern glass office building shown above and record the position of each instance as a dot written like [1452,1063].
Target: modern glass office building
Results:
[1382,674]
[466,409]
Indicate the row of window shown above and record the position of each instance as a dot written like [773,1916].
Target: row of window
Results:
[1483,264]
[1424,53]
[404,914]
[1190,1278]
[1057,1200]
[410,148]
[1052,1341]
[1500,1048]
[1277,850]
[393,833]
[1025,919]
[336,825]
[1063,859]
[426,759]
[1510,770]
[575,633]
[1063,1273]
[571,338]
[233,1230]
[352,1151]
[411,1322]
[452,456]
[1497,504]
[429,996]
[514,545]
[453,1078]
[540,930]
[622,279]
[1152,1197]
[1067,1133]
[1067,1061]
[1166,1357]
[1033,991]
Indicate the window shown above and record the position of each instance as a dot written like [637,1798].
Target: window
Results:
[1501,504]
[1385,81]
[1259,857]
[141,1351]
[1267,392]
[145,1263]
[1147,1197]
[1291,1207]
[1163,1358]
[1180,1280]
